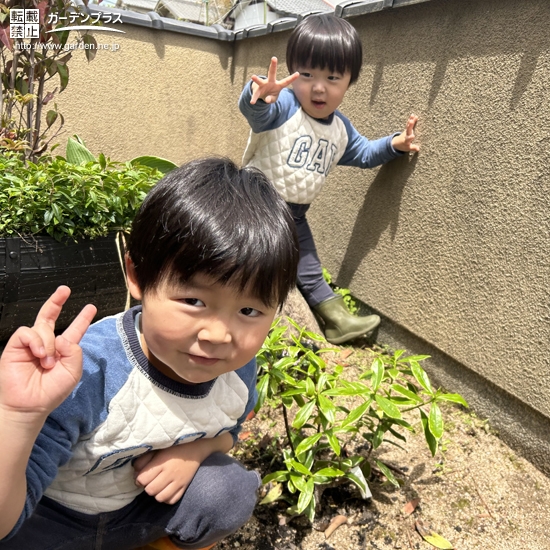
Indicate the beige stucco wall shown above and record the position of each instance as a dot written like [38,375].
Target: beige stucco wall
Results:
[451,245]
[160,93]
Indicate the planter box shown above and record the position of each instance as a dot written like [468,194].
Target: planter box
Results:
[32,268]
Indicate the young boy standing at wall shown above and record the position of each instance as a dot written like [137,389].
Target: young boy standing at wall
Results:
[297,135]
[124,443]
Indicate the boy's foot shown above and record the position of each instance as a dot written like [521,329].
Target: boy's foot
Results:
[339,324]
[166,544]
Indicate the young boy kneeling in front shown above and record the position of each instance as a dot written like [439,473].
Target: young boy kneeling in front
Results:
[135,449]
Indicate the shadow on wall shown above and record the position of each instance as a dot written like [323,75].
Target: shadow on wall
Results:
[459,29]
[379,211]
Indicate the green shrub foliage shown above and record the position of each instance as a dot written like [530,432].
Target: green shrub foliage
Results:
[66,200]
[323,413]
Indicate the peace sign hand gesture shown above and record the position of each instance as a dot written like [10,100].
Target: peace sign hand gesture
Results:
[269,88]
[39,370]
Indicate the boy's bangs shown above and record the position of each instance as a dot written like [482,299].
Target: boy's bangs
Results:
[328,55]
[263,269]
[210,217]
[325,42]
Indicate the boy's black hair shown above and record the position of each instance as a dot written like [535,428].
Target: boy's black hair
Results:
[325,41]
[210,217]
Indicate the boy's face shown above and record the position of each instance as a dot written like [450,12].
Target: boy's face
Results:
[195,332]
[320,91]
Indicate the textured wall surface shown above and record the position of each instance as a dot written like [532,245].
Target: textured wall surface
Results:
[161,93]
[450,245]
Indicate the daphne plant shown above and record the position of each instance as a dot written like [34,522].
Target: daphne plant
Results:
[321,425]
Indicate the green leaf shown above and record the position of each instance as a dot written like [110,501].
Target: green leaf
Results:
[305,496]
[308,443]
[333,442]
[102,161]
[435,421]
[378,373]
[275,492]
[453,397]
[51,117]
[377,437]
[387,472]
[63,37]
[77,153]
[438,541]
[162,165]
[276,476]
[421,377]
[298,481]
[321,383]
[407,393]
[310,510]
[63,71]
[430,439]
[57,212]
[388,407]
[303,415]
[329,472]
[358,481]
[356,414]
[299,467]
[310,387]
[397,354]
[261,388]
[397,435]
[90,51]
[327,407]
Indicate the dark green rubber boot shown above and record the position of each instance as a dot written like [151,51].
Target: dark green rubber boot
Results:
[339,324]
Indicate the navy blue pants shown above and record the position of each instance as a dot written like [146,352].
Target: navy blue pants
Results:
[219,500]
[311,282]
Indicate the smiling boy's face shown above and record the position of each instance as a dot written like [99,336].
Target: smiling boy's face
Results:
[195,332]
[320,91]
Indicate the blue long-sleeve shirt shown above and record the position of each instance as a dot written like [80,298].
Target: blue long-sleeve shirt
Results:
[121,408]
[297,151]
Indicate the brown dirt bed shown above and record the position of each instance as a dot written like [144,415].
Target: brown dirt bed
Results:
[476,493]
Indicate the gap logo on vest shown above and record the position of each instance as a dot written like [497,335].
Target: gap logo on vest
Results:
[317,157]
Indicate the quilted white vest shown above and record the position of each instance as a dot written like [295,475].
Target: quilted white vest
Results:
[298,155]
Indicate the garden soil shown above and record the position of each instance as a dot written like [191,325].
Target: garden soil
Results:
[476,493]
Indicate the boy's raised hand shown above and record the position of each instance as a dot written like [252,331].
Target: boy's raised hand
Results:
[404,141]
[269,88]
[39,370]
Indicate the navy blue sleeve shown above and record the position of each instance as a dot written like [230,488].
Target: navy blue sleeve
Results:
[78,414]
[267,116]
[366,153]
[249,375]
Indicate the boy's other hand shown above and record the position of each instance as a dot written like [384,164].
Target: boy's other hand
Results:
[404,141]
[39,370]
[166,474]
[269,88]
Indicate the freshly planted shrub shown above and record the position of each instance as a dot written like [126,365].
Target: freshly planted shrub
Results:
[319,422]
